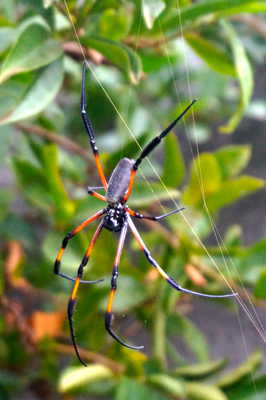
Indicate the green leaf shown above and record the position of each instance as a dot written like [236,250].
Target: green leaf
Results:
[172,386]
[173,167]
[244,370]
[205,176]
[33,182]
[233,159]
[119,54]
[151,9]
[215,57]
[130,389]
[41,91]
[194,339]
[253,389]
[202,370]
[75,377]
[130,294]
[253,261]
[7,36]
[232,190]
[114,23]
[33,49]
[260,288]
[209,7]
[144,194]
[64,208]
[245,77]
[199,391]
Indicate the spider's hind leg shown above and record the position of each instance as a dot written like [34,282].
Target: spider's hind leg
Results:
[78,280]
[170,280]
[109,313]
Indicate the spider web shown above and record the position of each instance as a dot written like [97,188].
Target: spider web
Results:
[249,309]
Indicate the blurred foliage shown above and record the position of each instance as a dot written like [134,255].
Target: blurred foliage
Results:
[140,52]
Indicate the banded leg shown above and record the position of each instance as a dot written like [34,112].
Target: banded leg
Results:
[170,280]
[69,236]
[88,127]
[151,217]
[73,297]
[150,147]
[91,192]
[109,314]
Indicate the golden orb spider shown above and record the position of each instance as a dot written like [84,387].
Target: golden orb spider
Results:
[115,217]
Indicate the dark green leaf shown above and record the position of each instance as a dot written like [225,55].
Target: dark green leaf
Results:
[260,288]
[129,389]
[253,389]
[119,54]
[180,325]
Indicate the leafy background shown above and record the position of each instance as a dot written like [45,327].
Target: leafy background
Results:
[150,56]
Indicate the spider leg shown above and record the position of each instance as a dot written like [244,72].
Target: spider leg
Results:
[88,127]
[136,214]
[109,313]
[170,280]
[73,297]
[66,239]
[91,192]
[151,146]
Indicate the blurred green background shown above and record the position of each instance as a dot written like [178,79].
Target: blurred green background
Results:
[148,59]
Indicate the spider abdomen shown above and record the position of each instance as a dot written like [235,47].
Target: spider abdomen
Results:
[119,181]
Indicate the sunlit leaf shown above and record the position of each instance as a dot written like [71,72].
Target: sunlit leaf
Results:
[245,369]
[202,370]
[205,179]
[214,56]
[232,190]
[232,159]
[151,9]
[245,77]
[74,377]
[33,49]
[173,167]
[200,391]
[168,384]
[38,95]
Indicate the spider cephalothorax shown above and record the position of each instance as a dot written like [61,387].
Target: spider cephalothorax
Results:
[115,217]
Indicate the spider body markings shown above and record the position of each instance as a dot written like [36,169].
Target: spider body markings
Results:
[116,217]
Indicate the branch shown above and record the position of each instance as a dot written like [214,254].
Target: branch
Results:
[62,141]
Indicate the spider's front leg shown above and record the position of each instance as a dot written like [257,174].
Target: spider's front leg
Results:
[136,214]
[88,127]
[170,280]
[66,239]
[109,313]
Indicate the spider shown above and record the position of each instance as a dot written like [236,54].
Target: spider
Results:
[116,217]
